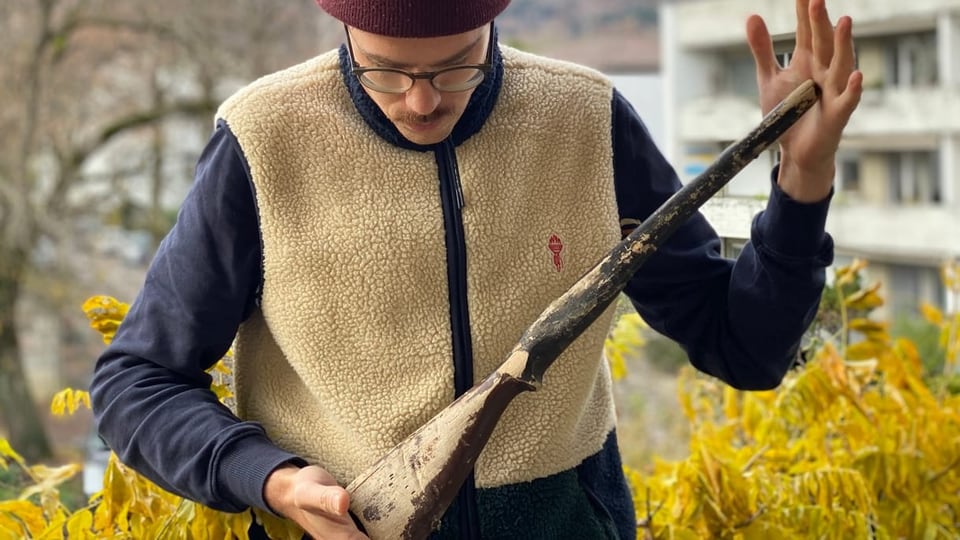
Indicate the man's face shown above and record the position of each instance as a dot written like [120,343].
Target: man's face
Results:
[423,114]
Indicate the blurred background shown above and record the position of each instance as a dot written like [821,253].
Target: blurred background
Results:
[106,105]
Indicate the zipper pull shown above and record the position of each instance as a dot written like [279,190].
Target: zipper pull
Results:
[459,191]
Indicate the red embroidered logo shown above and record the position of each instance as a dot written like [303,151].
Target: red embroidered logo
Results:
[556,246]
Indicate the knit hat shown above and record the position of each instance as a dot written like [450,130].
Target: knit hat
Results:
[414,18]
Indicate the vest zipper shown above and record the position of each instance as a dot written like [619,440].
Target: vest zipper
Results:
[451,196]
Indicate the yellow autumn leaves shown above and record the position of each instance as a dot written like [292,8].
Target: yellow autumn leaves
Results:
[105,314]
[949,325]
[624,339]
[37,512]
[854,444]
[68,400]
[129,505]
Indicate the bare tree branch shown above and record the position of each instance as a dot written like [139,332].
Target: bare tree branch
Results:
[136,27]
[73,162]
[196,107]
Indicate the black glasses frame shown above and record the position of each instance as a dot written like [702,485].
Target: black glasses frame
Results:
[358,71]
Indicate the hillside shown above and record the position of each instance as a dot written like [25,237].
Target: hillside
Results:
[613,35]
[579,17]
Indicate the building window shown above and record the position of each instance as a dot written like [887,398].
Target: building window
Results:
[850,175]
[915,178]
[739,76]
[910,286]
[912,61]
[783,58]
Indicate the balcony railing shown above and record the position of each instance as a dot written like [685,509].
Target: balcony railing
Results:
[713,23]
[904,111]
[920,232]
[889,111]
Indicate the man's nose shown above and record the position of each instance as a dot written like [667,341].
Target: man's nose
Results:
[423,98]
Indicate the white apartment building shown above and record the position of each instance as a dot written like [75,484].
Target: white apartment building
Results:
[897,201]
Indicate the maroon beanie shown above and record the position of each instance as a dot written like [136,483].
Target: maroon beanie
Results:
[414,18]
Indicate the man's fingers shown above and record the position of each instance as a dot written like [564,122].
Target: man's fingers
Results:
[758,38]
[848,100]
[844,59]
[822,32]
[803,27]
[333,500]
[323,507]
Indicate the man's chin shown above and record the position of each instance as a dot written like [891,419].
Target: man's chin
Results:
[424,136]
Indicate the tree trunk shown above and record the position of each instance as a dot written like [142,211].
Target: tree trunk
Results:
[157,226]
[18,412]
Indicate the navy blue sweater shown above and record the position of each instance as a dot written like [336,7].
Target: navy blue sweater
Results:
[740,321]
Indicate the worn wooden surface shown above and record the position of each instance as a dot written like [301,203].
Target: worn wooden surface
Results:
[405,494]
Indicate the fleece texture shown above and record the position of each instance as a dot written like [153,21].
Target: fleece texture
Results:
[350,350]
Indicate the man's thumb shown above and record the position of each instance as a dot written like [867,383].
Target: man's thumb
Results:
[333,500]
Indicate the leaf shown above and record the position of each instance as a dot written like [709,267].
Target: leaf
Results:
[686,397]
[834,366]
[950,275]
[201,528]
[54,530]
[105,314]
[58,405]
[221,367]
[277,527]
[239,524]
[872,330]
[712,470]
[6,451]
[847,274]
[49,478]
[731,403]
[222,391]
[865,350]
[80,525]
[931,313]
[865,299]
[624,339]
[836,487]
[68,400]
[908,356]
[25,513]
[117,497]
[806,397]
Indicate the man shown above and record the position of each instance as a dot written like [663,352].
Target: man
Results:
[379,224]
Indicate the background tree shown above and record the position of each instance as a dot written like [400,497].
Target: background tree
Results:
[92,90]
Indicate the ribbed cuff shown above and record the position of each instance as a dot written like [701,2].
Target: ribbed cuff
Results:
[245,465]
[793,229]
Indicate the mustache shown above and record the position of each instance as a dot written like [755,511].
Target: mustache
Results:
[413,118]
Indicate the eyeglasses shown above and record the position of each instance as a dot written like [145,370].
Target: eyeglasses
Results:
[397,81]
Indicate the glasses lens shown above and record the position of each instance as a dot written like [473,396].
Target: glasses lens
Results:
[389,81]
[458,79]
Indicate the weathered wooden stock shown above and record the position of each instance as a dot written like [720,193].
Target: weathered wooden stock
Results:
[405,493]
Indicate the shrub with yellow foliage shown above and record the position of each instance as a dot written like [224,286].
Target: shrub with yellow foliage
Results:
[853,444]
[128,505]
[856,443]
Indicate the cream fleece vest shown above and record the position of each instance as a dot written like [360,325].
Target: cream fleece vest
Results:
[351,348]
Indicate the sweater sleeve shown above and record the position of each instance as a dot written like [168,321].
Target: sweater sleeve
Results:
[150,390]
[739,320]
